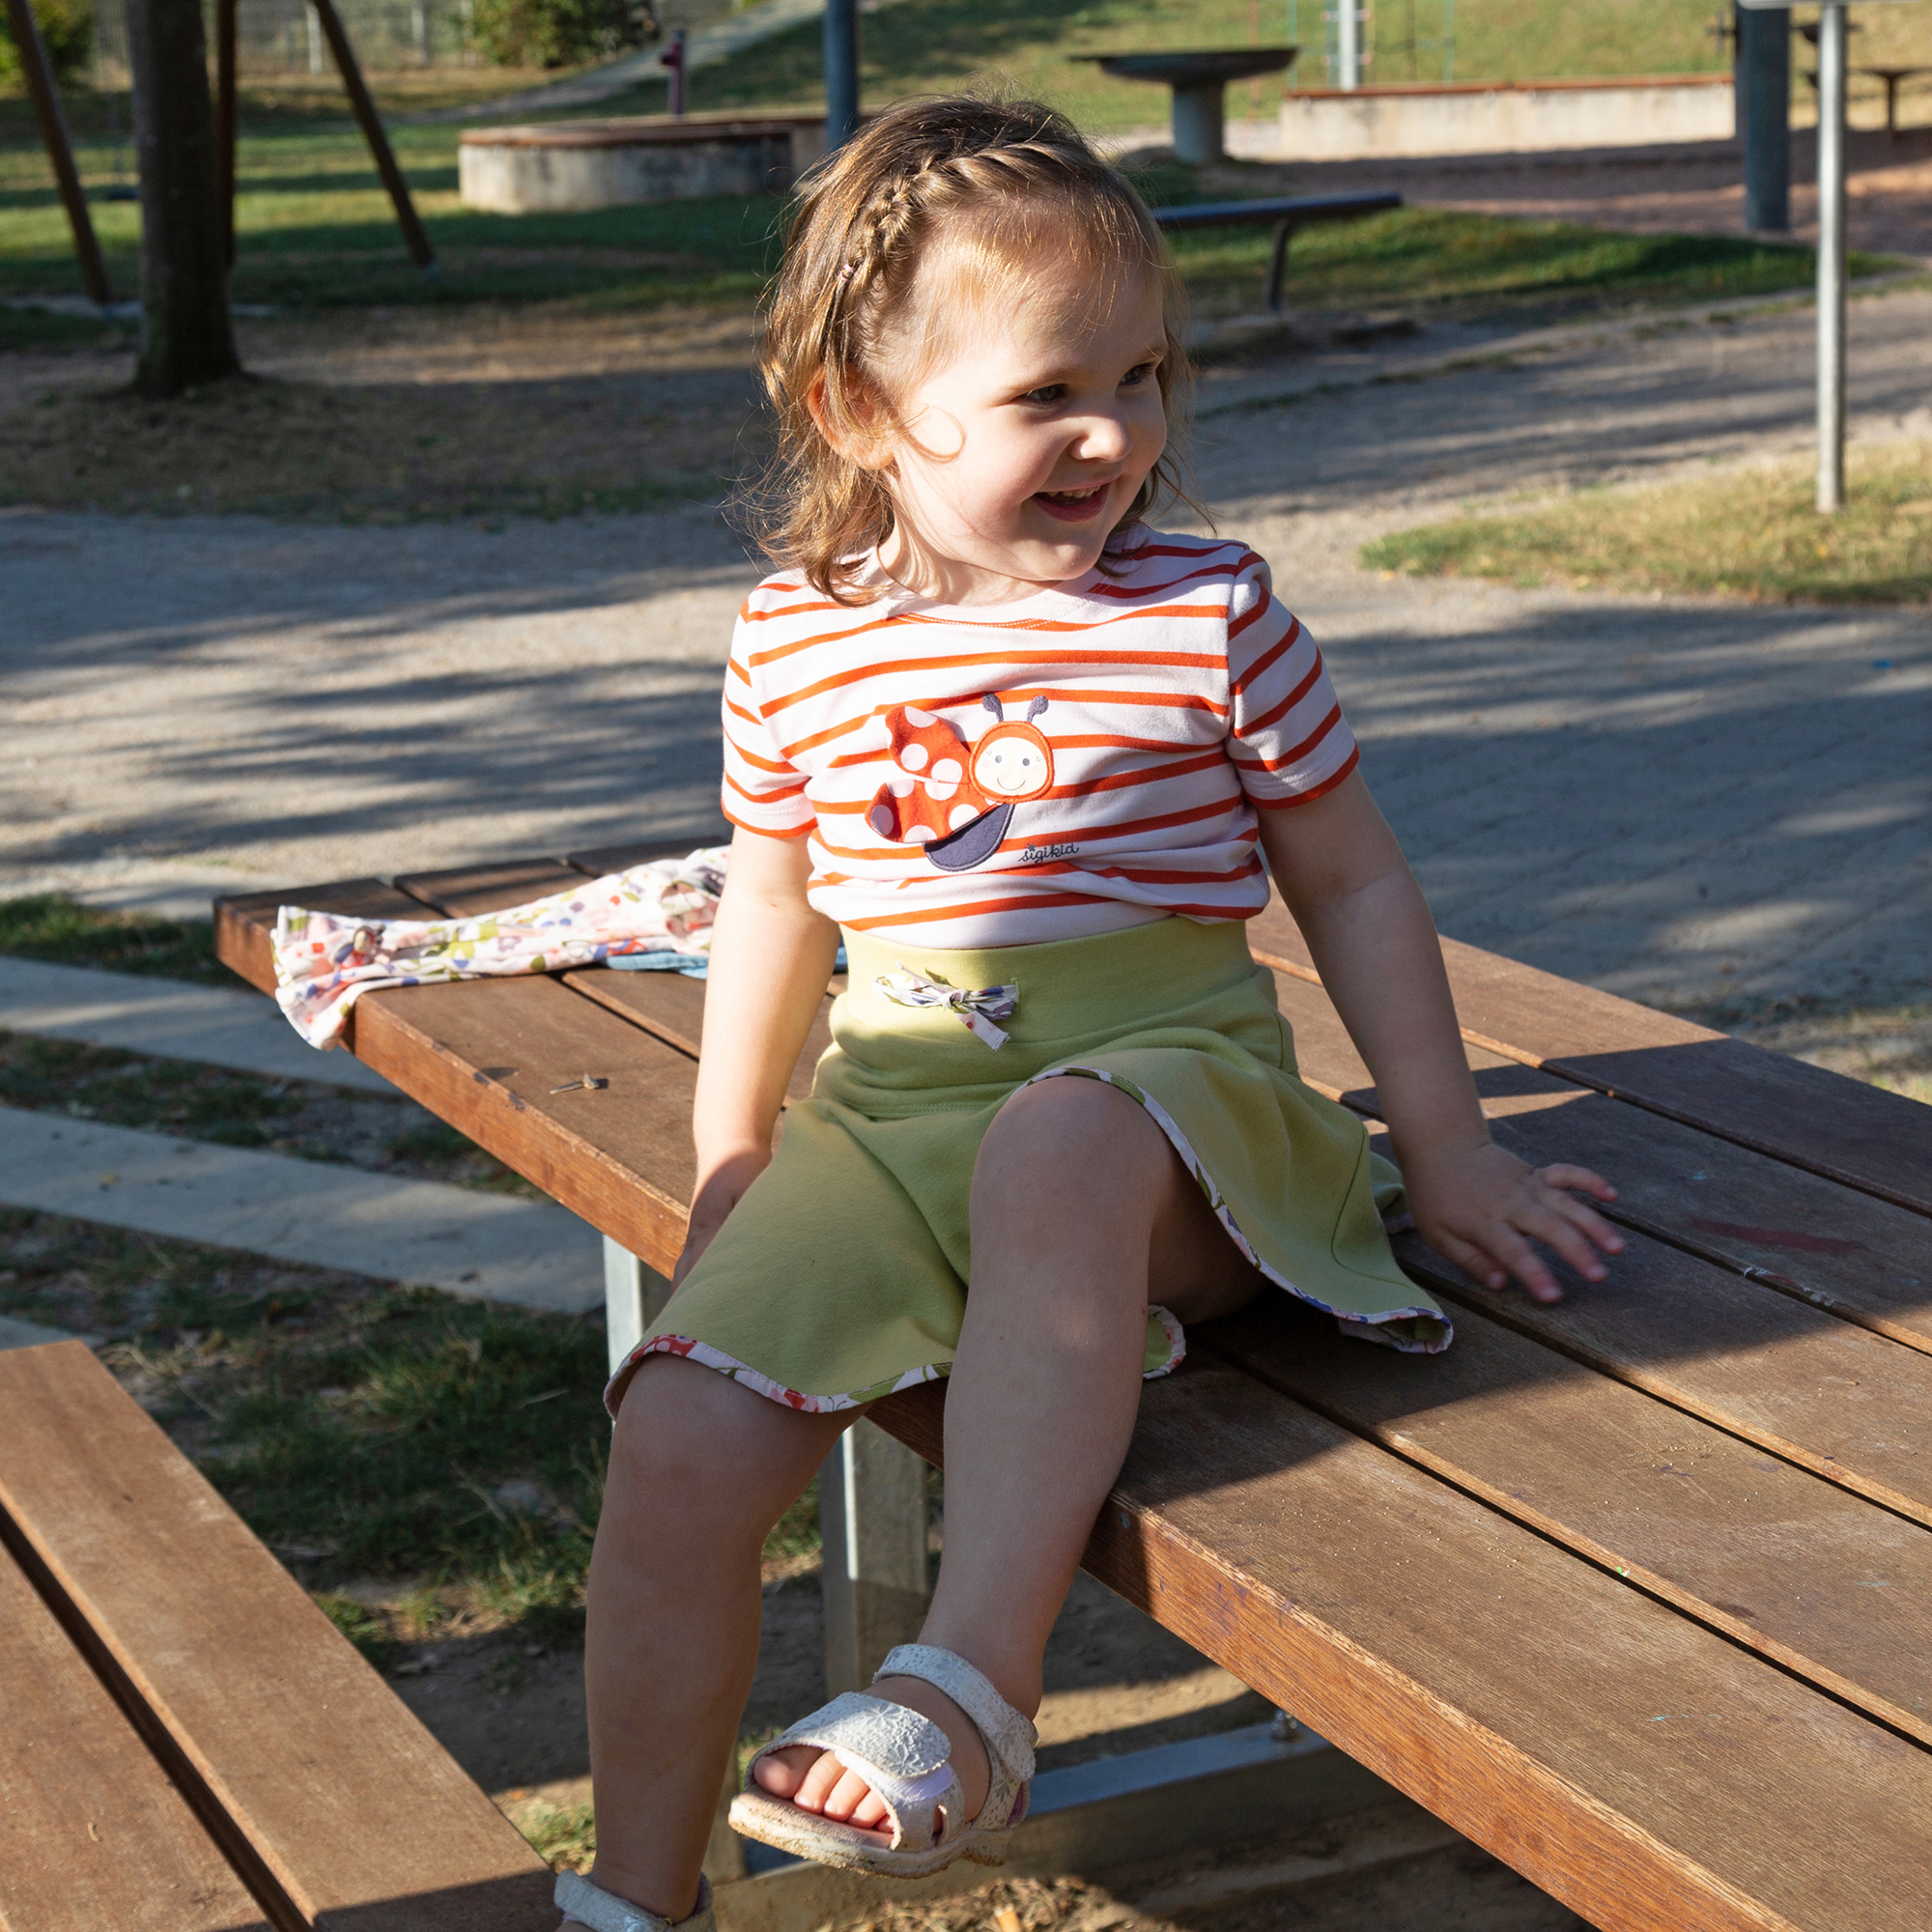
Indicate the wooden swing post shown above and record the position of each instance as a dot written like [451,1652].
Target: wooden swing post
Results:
[39,71]
[371,123]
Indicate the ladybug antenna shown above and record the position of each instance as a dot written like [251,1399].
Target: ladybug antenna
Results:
[992,704]
[1036,708]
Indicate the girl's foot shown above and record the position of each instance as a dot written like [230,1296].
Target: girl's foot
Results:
[815,1781]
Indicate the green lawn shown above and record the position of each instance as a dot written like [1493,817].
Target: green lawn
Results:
[921,47]
[1749,531]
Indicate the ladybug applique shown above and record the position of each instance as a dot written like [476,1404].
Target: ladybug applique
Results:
[954,799]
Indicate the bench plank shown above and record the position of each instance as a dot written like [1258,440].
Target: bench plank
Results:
[1863,1136]
[1771,1555]
[92,1833]
[484,1055]
[1638,1766]
[264,1705]
[1861,1258]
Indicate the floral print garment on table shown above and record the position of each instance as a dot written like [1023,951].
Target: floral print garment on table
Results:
[326,961]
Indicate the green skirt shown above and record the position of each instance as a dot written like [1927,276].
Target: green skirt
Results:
[843,1274]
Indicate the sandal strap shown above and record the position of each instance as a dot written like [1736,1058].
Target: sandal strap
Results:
[604,1911]
[1008,1735]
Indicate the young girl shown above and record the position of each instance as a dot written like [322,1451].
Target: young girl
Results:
[1038,763]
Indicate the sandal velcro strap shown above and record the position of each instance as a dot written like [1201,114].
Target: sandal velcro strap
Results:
[604,1911]
[1008,1735]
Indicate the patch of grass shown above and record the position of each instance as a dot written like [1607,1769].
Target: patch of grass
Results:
[313,1120]
[49,925]
[1434,261]
[44,328]
[926,46]
[1745,532]
[362,1430]
[563,1835]
[127,1090]
[366,1629]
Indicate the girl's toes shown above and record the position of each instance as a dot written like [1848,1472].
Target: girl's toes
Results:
[783,1772]
[872,1811]
[825,1776]
[846,1798]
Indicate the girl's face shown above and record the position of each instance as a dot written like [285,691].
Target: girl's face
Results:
[1027,448]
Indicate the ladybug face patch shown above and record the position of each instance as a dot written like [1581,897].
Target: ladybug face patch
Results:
[954,799]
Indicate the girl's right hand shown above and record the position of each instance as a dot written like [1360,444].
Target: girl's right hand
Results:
[718,1193]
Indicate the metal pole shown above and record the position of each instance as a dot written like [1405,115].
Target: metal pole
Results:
[38,71]
[1349,20]
[1764,111]
[841,71]
[1831,256]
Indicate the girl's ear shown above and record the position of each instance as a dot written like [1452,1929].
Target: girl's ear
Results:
[862,443]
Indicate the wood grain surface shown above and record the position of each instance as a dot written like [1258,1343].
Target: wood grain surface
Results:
[1864,1259]
[467,890]
[1638,1766]
[485,1054]
[1860,1135]
[1828,1395]
[92,1833]
[1830,1587]
[357,1813]
[672,1007]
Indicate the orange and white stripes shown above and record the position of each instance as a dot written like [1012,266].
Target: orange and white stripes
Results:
[1178,697]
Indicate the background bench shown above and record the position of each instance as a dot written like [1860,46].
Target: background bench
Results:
[190,1745]
[1283,214]
[1635,1591]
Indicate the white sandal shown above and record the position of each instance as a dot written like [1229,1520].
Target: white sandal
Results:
[905,1759]
[590,1905]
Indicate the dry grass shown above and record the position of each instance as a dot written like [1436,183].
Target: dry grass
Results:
[1747,532]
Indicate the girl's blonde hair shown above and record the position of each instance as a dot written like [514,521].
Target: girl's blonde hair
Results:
[1005,185]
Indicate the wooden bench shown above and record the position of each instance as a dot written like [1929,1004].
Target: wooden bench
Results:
[1635,1591]
[1283,214]
[189,1743]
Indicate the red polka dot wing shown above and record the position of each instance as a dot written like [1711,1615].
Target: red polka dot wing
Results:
[954,799]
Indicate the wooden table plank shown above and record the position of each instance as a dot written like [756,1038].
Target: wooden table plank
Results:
[1864,1259]
[463,890]
[1830,1396]
[244,924]
[672,1007]
[1860,1136]
[598,859]
[92,1833]
[357,1813]
[1634,1763]
[1771,1555]
[484,1055]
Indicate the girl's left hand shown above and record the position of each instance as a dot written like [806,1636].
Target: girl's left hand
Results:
[1476,1205]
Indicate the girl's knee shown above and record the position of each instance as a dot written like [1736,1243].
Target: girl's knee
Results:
[688,1437]
[1070,1134]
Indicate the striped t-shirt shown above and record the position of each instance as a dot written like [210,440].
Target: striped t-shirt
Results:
[1086,759]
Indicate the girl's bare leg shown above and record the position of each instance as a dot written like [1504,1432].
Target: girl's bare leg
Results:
[1082,1215]
[700,1469]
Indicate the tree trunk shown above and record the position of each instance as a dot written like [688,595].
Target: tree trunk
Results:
[185,335]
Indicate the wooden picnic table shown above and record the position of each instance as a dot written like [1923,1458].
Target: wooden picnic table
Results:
[1635,1590]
